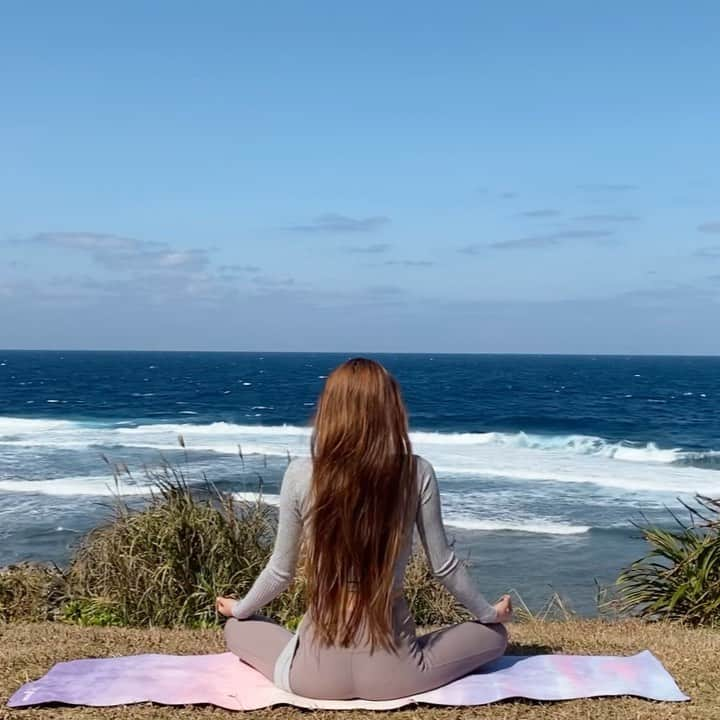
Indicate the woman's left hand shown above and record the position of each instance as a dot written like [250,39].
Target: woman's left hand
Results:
[224,606]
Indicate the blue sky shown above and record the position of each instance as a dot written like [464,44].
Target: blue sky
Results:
[468,177]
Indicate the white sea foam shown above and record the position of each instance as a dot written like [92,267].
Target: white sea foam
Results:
[532,525]
[103,486]
[516,456]
[575,444]
[76,485]
[268,498]
[633,478]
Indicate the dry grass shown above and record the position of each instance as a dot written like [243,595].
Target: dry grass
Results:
[431,603]
[691,654]
[30,592]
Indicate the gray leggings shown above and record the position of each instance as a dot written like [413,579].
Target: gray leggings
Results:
[332,673]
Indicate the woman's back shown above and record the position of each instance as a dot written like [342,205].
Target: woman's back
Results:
[295,505]
[426,518]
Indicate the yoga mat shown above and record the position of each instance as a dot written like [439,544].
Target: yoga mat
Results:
[224,681]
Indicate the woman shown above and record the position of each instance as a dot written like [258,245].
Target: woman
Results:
[356,503]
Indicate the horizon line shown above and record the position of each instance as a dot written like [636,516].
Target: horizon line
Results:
[362,352]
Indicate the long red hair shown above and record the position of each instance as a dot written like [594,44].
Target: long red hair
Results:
[362,499]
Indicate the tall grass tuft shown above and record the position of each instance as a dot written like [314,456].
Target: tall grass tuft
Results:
[679,579]
[556,608]
[164,565]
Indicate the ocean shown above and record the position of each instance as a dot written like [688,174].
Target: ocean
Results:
[545,463]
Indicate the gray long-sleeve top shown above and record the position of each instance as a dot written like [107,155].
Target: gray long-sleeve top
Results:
[294,497]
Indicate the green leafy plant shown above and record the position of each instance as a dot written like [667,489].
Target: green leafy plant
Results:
[679,579]
[91,612]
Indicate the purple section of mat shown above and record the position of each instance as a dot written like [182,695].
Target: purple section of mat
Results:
[224,681]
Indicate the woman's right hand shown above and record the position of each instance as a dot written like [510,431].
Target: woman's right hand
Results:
[504,609]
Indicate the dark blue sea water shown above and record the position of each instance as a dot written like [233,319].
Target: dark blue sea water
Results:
[544,461]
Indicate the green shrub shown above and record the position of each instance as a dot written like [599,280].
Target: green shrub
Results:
[30,592]
[679,579]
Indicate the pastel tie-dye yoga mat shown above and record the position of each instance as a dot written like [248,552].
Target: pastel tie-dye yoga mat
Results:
[224,681]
